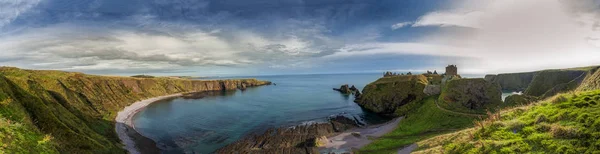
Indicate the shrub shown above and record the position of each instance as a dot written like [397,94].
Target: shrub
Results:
[563,132]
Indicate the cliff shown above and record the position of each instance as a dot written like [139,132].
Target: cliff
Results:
[65,112]
[470,95]
[591,81]
[548,83]
[554,81]
[387,95]
[512,81]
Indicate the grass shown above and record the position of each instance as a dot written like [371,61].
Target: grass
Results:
[385,95]
[565,123]
[65,112]
[424,122]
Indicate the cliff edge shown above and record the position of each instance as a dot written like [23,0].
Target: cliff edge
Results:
[66,112]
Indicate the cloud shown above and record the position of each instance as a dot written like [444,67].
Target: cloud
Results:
[11,9]
[451,18]
[367,49]
[71,47]
[502,36]
[400,25]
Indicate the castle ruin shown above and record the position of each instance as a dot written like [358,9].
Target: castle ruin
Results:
[451,70]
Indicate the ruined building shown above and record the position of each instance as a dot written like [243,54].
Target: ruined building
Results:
[451,70]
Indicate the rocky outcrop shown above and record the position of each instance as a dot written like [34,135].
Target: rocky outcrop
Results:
[388,94]
[344,89]
[78,110]
[290,140]
[353,89]
[471,94]
[431,90]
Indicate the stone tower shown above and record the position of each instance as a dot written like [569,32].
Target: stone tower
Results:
[451,70]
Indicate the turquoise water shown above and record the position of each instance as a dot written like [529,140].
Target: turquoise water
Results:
[204,125]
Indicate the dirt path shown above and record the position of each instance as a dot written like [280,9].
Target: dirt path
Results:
[408,149]
[357,138]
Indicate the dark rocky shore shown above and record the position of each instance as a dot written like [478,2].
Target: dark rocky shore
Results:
[290,140]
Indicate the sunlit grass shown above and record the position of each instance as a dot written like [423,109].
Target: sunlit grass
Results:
[566,123]
[424,122]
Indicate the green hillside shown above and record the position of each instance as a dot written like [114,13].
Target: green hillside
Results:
[64,112]
[566,123]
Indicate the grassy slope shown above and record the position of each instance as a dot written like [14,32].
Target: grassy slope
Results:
[566,123]
[405,134]
[388,93]
[421,123]
[54,111]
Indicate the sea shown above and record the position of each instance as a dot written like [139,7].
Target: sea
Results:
[207,124]
[204,125]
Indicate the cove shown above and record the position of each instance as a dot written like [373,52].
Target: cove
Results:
[203,125]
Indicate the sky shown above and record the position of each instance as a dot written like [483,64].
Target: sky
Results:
[267,37]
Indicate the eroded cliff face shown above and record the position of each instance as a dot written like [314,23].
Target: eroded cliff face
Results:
[74,112]
[387,95]
[470,95]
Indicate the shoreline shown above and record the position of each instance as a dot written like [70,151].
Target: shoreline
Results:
[348,140]
[125,128]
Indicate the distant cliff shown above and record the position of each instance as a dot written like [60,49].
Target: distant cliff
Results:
[547,83]
[64,112]
[512,81]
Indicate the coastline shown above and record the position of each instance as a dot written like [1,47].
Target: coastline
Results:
[347,141]
[125,128]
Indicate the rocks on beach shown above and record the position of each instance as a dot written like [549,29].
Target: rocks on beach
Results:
[292,140]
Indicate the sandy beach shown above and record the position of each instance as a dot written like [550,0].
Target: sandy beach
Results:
[126,130]
[348,140]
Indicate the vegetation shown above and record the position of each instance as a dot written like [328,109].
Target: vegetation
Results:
[566,123]
[64,112]
[143,76]
[563,123]
[591,81]
[387,94]
[470,96]
[518,100]
[425,121]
